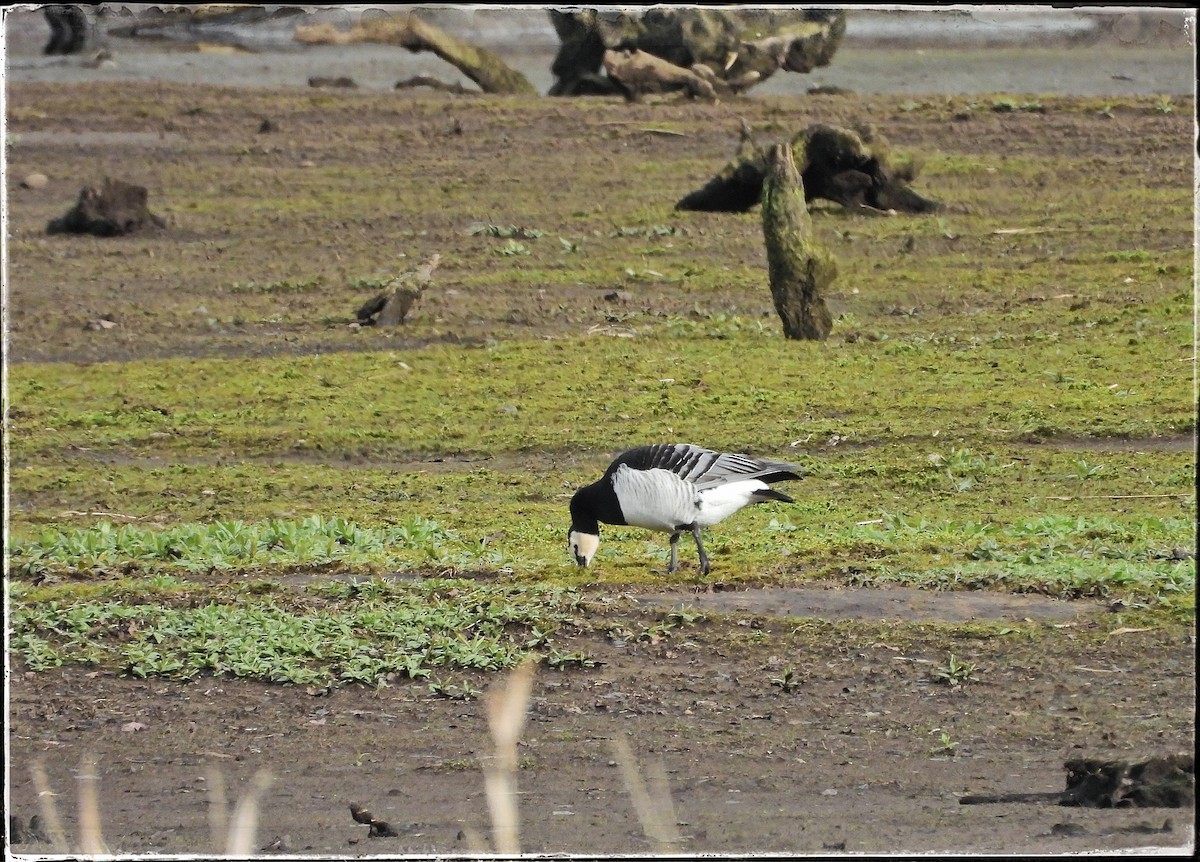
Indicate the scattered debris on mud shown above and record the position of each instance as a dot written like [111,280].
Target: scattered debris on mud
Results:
[379,828]
[390,307]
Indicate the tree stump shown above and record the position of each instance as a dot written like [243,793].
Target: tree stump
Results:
[116,209]
[851,168]
[69,29]
[800,269]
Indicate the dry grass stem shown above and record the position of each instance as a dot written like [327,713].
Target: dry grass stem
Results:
[49,810]
[245,817]
[476,844]
[506,711]
[91,839]
[655,810]
[218,807]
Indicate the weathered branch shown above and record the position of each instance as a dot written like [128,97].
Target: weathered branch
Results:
[483,67]
[637,73]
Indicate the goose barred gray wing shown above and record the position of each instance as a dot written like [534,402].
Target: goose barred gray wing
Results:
[704,468]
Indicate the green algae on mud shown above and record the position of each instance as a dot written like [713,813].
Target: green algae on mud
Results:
[527,395]
[1049,304]
[1065,468]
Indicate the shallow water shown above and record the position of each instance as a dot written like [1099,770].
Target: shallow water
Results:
[907,53]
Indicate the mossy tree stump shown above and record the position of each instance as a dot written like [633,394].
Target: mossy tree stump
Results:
[847,167]
[115,209]
[800,269]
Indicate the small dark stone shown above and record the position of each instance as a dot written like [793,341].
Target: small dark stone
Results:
[339,82]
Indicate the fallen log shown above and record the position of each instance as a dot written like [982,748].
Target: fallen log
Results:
[483,67]
[115,209]
[1159,782]
[846,167]
[800,269]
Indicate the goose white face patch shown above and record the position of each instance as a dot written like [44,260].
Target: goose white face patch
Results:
[582,547]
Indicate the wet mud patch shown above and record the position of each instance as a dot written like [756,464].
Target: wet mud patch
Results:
[904,604]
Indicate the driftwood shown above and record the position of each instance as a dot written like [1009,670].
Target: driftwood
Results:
[210,24]
[800,269]
[1160,782]
[847,167]
[390,307]
[483,67]
[115,209]
[69,29]
[637,73]
[732,50]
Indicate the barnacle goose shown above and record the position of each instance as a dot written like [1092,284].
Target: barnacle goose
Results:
[673,487]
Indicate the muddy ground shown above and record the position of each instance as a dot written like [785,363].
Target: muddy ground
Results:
[847,759]
[849,756]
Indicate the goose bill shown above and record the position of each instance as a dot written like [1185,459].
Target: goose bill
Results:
[583,547]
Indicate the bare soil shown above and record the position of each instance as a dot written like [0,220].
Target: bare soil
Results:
[847,759]
[849,756]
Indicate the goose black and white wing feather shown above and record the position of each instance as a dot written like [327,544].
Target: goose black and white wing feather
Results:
[703,468]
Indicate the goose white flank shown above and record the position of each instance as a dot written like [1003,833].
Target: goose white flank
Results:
[676,488]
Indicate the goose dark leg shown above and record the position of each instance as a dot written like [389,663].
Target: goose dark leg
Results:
[700,550]
[674,552]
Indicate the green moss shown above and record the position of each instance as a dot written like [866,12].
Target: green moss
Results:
[1026,355]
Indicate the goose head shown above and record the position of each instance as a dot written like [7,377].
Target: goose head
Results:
[582,545]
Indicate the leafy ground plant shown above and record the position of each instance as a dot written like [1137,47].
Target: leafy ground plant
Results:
[335,633]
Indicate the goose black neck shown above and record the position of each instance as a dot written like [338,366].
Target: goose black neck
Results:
[595,503]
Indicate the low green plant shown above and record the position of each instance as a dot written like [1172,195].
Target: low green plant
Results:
[954,672]
[357,632]
[281,286]
[512,248]
[788,681]
[945,746]
[509,232]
